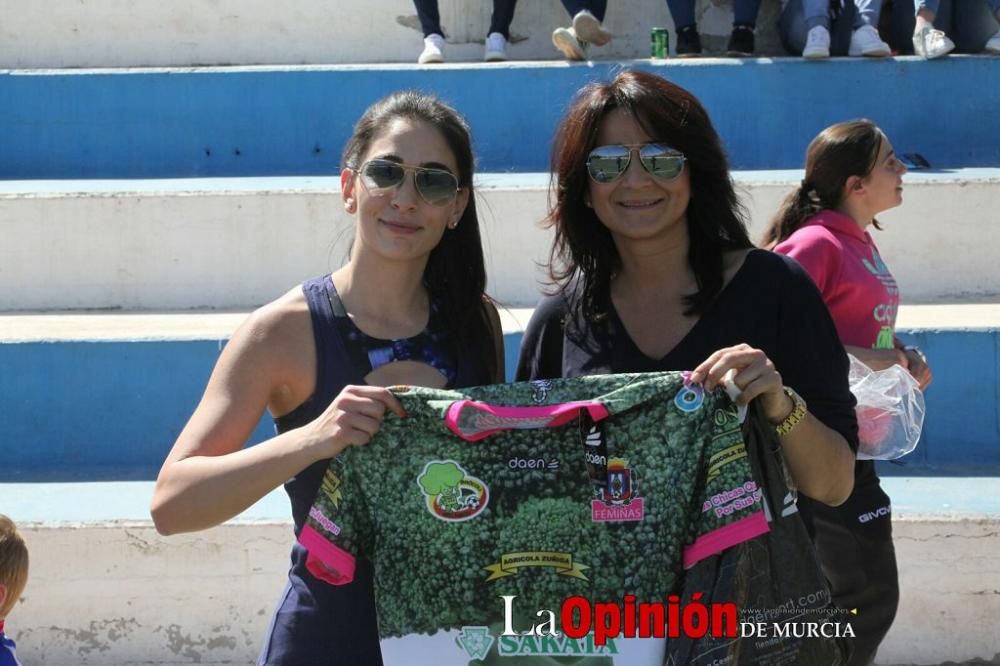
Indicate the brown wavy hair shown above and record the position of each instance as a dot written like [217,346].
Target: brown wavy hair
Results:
[837,153]
[583,251]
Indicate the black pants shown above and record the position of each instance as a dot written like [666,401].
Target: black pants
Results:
[854,545]
[430,18]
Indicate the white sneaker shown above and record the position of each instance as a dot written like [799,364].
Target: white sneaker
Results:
[433,50]
[993,46]
[865,41]
[565,40]
[496,48]
[931,43]
[817,43]
[589,29]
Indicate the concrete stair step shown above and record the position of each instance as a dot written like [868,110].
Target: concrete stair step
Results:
[172,243]
[106,589]
[135,326]
[68,375]
[294,120]
[249,32]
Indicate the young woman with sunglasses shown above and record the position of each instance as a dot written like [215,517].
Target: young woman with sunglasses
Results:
[852,175]
[656,272]
[407,308]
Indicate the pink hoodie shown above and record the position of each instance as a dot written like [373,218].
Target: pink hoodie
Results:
[856,285]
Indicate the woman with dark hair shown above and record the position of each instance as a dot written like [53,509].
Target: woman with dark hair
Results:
[852,175]
[655,272]
[407,308]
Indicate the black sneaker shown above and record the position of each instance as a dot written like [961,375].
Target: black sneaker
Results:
[741,42]
[688,42]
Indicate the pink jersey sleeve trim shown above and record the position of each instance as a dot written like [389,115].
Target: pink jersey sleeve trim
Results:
[724,537]
[326,561]
[490,419]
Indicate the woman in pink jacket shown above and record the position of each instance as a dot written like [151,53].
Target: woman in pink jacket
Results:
[852,175]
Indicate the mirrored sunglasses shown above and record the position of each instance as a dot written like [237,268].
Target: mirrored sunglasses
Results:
[435,186]
[606,164]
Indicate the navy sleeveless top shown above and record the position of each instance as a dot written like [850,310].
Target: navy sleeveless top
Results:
[317,623]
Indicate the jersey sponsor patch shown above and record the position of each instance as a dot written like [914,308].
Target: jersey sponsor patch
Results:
[619,500]
[452,495]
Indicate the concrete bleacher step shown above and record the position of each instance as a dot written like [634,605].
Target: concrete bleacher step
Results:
[173,244]
[283,121]
[67,376]
[107,589]
[106,33]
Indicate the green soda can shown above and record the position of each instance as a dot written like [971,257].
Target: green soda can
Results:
[659,42]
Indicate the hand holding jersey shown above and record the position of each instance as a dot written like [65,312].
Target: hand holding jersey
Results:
[352,419]
[756,377]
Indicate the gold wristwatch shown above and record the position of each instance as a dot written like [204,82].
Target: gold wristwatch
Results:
[798,413]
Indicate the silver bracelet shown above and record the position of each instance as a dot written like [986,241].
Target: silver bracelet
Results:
[916,350]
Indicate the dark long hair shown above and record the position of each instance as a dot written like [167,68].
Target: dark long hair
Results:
[455,275]
[837,153]
[583,247]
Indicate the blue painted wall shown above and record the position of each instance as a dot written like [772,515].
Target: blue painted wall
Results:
[962,423]
[98,411]
[159,124]
[111,410]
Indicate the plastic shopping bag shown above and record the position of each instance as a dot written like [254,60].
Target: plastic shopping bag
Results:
[890,411]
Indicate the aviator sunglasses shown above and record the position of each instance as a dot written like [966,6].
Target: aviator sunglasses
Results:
[435,186]
[606,164]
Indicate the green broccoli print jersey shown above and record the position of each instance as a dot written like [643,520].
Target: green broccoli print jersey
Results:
[483,509]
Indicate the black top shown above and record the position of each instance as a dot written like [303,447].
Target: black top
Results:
[770,304]
[367,352]
[317,623]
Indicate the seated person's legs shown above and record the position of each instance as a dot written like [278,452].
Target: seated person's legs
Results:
[993,44]
[595,7]
[741,41]
[976,26]
[865,40]
[430,23]
[688,40]
[805,28]
[933,22]
[499,32]
[902,19]
[588,16]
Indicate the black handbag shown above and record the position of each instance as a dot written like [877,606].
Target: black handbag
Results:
[774,579]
